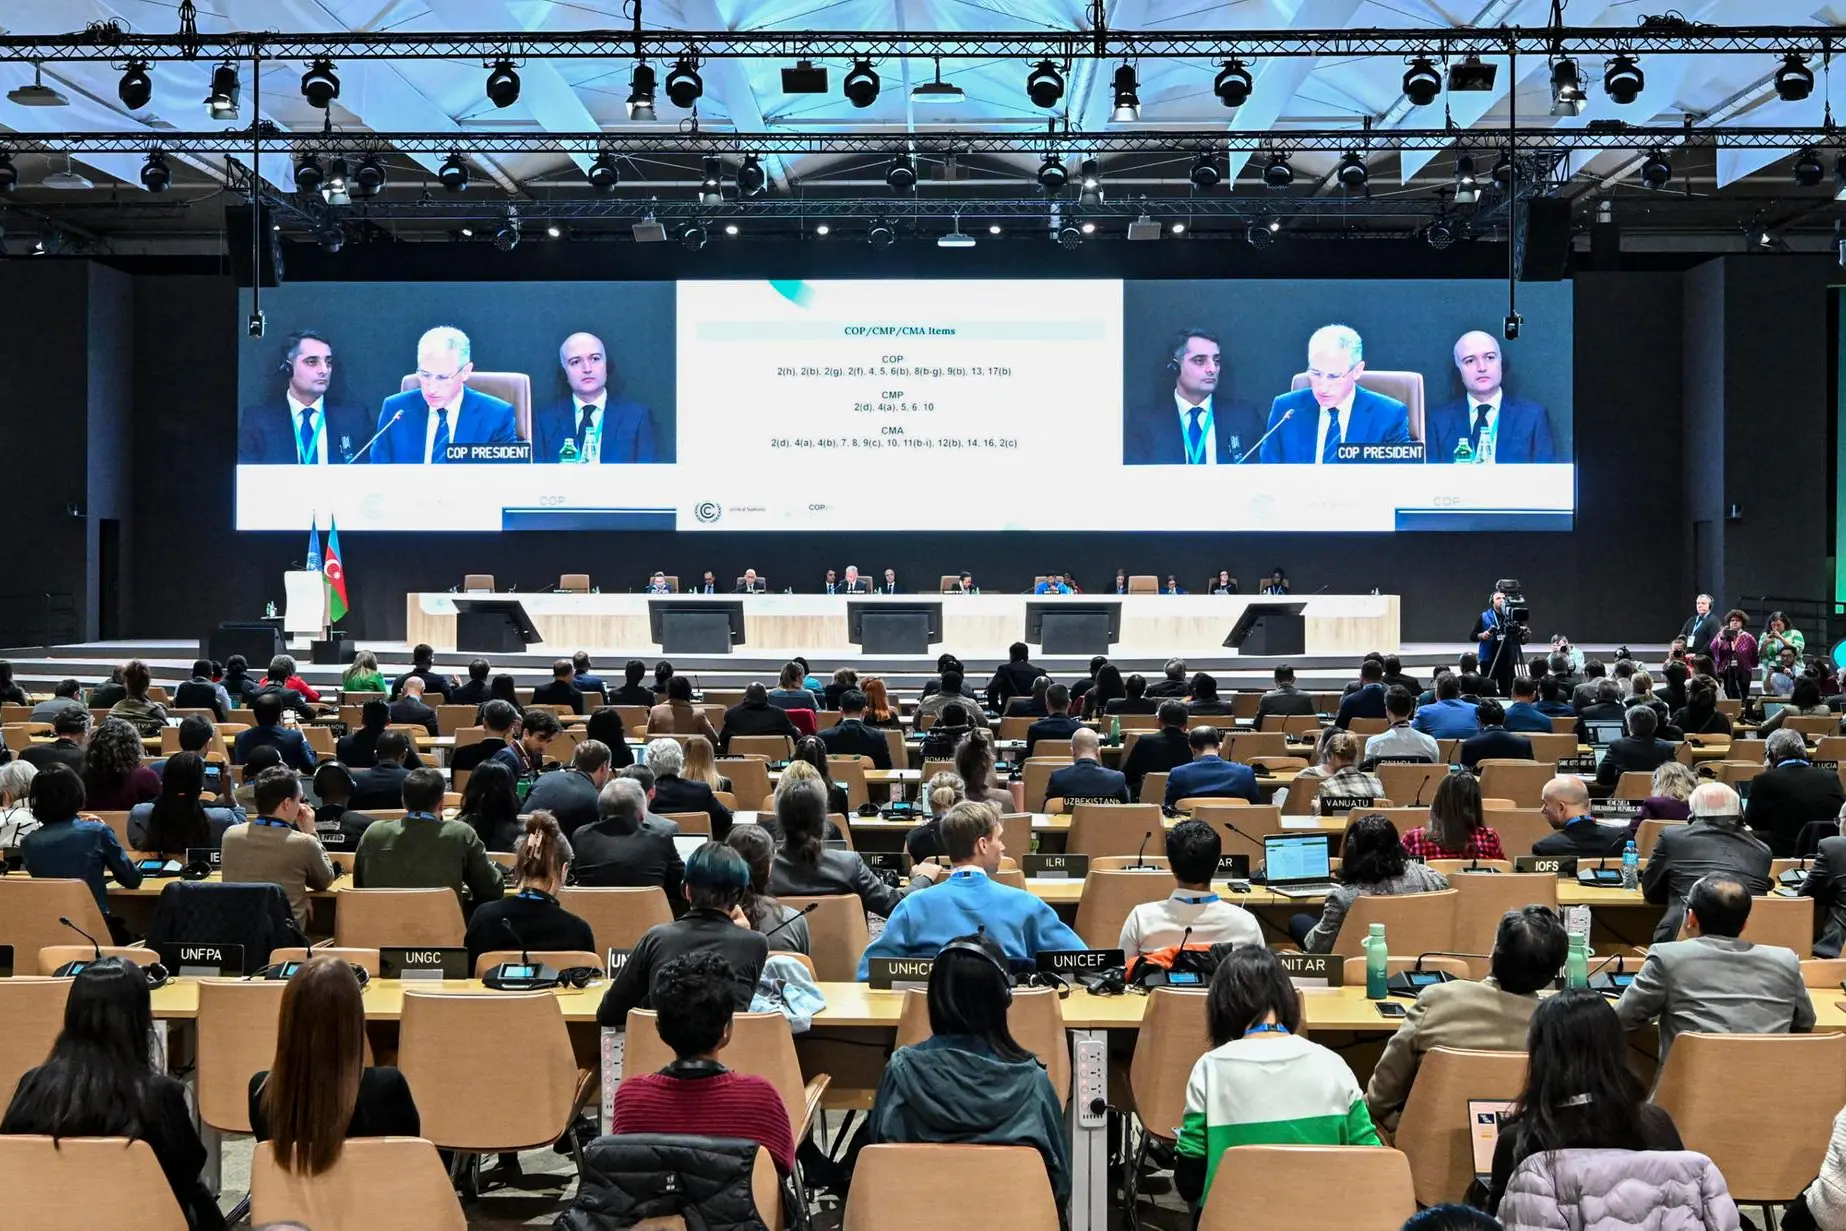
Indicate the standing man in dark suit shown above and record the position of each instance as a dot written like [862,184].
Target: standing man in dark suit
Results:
[1790,795]
[421,423]
[562,690]
[1701,628]
[303,427]
[1309,425]
[1498,429]
[1198,428]
[600,426]
[850,736]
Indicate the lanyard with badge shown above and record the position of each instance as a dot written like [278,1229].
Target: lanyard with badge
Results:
[311,454]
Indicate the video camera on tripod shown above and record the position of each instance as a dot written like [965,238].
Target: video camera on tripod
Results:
[1518,615]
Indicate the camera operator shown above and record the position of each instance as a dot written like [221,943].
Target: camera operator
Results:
[1499,636]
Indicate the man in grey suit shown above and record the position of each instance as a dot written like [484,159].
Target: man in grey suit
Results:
[1715,842]
[1284,698]
[1714,982]
[1826,884]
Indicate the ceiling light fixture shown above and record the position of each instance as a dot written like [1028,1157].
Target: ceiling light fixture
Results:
[319,85]
[641,93]
[308,174]
[751,178]
[1352,172]
[711,187]
[9,174]
[38,94]
[1052,174]
[1623,80]
[1278,174]
[901,175]
[136,88]
[1656,170]
[369,177]
[1794,80]
[1422,83]
[881,236]
[1808,169]
[861,85]
[1045,85]
[507,237]
[502,84]
[603,174]
[1127,91]
[453,174]
[333,189]
[156,176]
[938,91]
[221,103]
[1470,75]
[1233,83]
[1467,187]
[1567,96]
[684,85]
[1204,174]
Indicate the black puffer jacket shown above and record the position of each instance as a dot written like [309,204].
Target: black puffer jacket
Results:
[705,1180]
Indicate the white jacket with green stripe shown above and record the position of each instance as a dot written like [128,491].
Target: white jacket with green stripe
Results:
[1266,1089]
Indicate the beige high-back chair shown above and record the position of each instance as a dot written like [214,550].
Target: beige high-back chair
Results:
[1406,387]
[514,387]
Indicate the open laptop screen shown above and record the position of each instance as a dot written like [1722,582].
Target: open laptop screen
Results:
[1484,1116]
[1296,857]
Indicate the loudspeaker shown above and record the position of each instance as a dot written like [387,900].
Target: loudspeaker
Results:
[1547,240]
[237,236]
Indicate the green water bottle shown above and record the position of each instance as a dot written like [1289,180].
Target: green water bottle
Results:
[1464,452]
[569,452]
[1115,732]
[1577,961]
[1377,963]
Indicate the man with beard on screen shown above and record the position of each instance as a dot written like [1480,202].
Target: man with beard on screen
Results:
[303,426]
[1198,427]
[601,426]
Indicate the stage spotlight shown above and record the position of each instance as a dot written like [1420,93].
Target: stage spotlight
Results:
[730,228]
[1567,96]
[308,174]
[751,179]
[861,85]
[1179,228]
[453,174]
[902,174]
[1127,91]
[1656,170]
[711,186]
[641,93]
[319,85]
[466,232]
[1069,237]
[1502,173]
[1052,175]
[1204,172]
[1045,85]
[1422,82]
[1808,168]
[136,88]
[604,174]
[1467,188]
[507,237]
[1259,234]
[993,228]
[369,177]
[693,236]
[555,231]
[332,239]
[334,189]
[156,176]
[221,103]
[1278,174]
[9,174]
[1090,180]
[881,236]
[1794,81]
[1440,233]
[684,85]
[1623,79]
[503,84]
[822,228]
[1233,84]
[1352,172]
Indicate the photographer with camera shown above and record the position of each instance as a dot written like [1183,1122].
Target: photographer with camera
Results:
[1733,652]
[1500,631]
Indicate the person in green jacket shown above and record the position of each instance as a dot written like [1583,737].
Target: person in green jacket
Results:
[971,1082]
[423,851]
[363,675]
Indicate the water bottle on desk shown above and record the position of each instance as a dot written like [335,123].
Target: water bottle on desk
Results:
[1115,732]
[1577,962]
[1463,452]
[1377,963]
[1631,866]
[568,453]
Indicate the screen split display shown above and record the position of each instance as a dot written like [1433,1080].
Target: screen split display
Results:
[808,405]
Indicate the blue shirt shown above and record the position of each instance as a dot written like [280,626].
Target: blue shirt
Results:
[293,745]
[1451,719]
[1214,776]
[967,902]
[1526,716]
[79,850]
[1046,587]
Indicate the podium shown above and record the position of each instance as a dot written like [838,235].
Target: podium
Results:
[305,603]
[1269,630]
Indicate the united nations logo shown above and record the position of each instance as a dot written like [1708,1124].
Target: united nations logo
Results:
[708,511]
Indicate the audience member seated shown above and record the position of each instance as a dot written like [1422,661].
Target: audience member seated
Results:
[291,743]
[1134,698]
[1523,715]
[382,786]
[1084,780]
[1804,702]
[677,715]
[478,690]
[262,757]
[177,821]
[1193,913]
[784,927]
[497,722]
[1284,699]
[971,1082]
[716,881]
[66,846]
[952,692]
[114,779]
[562,690]
[532,916]
[423,667]
[136,709]
[10,692]
[1702,715]
[409,710]
[879,710]
[673,793]
[70,730]
[363,675]
[1565,802]
[276,683]
[1208,774]
[1262,1083]
[1638,750]
[605,726]
[582,676]
[1493,741]
[851,736]
[1607,707]
[619,851]
[804,867]
[694,999]
[1713,982]
[336,823]
[969,900]
[238,681]
[1791,795]
[790,692]
[812,751]
[755,716]
[1492,1015]
[490,806]
[103,1079]
[1400,742]
[503,688]
[1580,1095]
[1205,699]
[1173,680]
[1552,700]
[1457,827]
[1344,779]
[1667,794]
[318,1092]
[632,690]
[974,762]
[278,845]
[1057,723]
[1714,841]
[945,735]
[1032,705]
[359,749]
[943,792]
[1160,751]
[1105,688]
[1367,700]
[423,851]
[1012,678]
[527,752]
[1448,716]
[570,794]
[1825,883]
[1372,861]
[16,819]
[106,694]
[66,697]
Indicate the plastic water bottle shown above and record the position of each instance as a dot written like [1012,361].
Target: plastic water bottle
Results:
[569,452]
[1631,866]
[1487,450]
[1577,962]
[1115,732]
[1377,963]
[1463,451]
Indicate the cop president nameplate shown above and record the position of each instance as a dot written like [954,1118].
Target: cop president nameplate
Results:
[518,451]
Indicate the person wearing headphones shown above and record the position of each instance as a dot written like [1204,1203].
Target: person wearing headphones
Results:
[336,824]
[303,427]
[1196,427]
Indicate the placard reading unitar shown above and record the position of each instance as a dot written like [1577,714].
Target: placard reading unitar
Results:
[786,389]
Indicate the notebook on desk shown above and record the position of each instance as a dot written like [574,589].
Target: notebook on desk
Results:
[1298,865]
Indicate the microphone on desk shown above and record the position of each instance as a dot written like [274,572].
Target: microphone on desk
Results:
[1412,982]
[65,920]
[1141,862]
[1286,416]
[529,979]
[525,954]
[803,913]
[382,428]
[1421,787]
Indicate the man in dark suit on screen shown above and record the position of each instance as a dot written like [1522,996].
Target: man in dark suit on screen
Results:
[303,426]
[1198,427]
[420,424]
[601,426]
[1498,427]
[1309,425]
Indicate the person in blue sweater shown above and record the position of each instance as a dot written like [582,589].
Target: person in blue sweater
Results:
[1210,774]
[1523,715]
[969,900]
[1449,717]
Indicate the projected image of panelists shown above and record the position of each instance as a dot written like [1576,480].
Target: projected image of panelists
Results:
[1189,416]
[1486,423]
[302,418]
[448,412]
[592,422]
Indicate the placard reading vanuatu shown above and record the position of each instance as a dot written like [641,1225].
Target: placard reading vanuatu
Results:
[892,405]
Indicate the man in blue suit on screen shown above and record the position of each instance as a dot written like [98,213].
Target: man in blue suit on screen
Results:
[600,426]
[420,424]
[1497,427]
[1311,424]
[303,426]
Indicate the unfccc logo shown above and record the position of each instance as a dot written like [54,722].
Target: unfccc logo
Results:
[708,511]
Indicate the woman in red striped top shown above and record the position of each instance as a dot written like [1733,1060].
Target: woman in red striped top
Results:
[1456,828]
[696,1095]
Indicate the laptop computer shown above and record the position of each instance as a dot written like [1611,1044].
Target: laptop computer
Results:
[686,843]
[1772,708]
[1484,1116]
[1604,732]
[1298,865]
